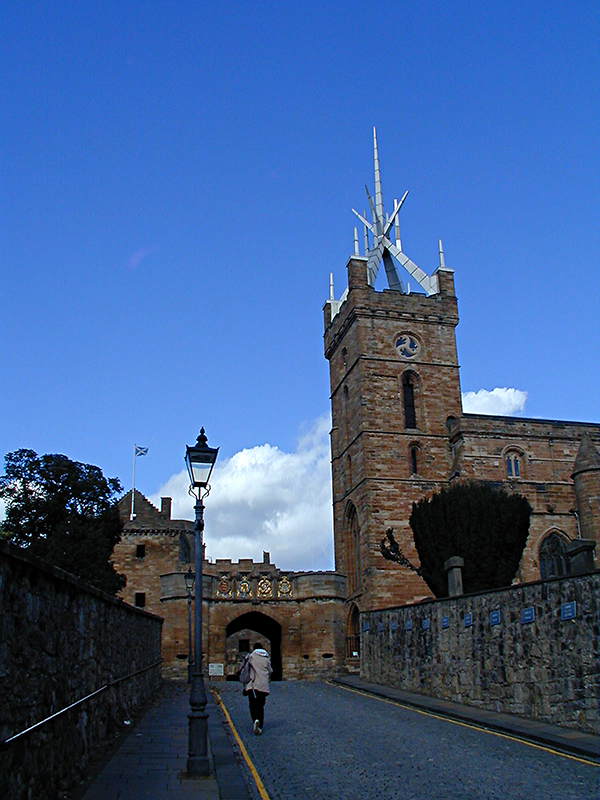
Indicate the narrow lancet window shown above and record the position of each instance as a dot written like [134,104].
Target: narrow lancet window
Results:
[414,466]
[408,395]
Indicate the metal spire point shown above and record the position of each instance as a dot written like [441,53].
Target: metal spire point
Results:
[397,227]
[383,249]
[441,250]
[378,192]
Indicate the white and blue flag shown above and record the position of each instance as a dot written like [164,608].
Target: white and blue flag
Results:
[137,451]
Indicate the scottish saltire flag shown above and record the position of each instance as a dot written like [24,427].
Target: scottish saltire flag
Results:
[140,451]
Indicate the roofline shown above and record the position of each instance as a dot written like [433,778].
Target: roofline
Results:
[541,420]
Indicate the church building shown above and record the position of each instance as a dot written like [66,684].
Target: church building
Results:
[399,432]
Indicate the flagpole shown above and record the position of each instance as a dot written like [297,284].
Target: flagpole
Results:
[131,518]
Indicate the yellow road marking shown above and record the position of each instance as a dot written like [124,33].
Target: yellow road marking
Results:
[259,784]
[465,724]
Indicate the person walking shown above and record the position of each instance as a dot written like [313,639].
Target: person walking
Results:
[257,689]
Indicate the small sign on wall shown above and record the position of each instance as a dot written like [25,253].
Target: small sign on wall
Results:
[495,617]
[445,622]
[216,670]
[409,624]
[527,615]
[568,610]
[425,624]
[468,619]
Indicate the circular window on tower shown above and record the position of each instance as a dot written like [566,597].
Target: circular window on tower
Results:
[407,345]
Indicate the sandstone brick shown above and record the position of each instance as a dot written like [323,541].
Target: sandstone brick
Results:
[300,615]
[374,481]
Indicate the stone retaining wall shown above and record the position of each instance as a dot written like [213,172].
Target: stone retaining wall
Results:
[60,640]
[517,650]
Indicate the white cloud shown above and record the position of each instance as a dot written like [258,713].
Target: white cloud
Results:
[265,499]
[504,402]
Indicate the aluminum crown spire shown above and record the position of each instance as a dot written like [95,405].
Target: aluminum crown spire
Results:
[383,249]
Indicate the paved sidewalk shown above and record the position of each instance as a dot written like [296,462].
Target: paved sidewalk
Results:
[151,762]
[563,739]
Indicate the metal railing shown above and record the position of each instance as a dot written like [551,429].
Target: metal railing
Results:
[11,739]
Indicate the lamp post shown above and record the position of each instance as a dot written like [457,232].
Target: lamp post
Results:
[200,461]
[190,579]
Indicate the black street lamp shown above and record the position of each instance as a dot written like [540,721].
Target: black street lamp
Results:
[200,461]
[190,579]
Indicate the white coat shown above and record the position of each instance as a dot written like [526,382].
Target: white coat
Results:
[260,671]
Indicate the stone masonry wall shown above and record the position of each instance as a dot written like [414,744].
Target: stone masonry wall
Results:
[547,450]
[299,617]
[509,650]
[61,640]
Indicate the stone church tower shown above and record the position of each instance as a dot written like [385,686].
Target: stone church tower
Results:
[394,383]
[399,432]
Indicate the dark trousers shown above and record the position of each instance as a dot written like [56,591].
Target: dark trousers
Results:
[257,706]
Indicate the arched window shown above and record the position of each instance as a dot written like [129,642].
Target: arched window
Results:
[408,397]
[413,457]
[352,550]
[513,465]
[345,358]
[553,557]
[348,472]
[514,461]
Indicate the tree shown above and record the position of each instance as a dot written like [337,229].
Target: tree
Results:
[64,512]
[485,526]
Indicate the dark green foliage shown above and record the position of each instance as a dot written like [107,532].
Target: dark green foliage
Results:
[65,513]
[487,527]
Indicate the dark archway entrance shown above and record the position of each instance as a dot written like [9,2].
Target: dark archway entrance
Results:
[266,628]
[353,633]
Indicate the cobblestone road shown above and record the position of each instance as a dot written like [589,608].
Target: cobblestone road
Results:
[324,742]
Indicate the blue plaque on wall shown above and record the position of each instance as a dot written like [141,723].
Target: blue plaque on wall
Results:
[527,615]
[380,627]
[425,624]
[409,624]
[445,622]
[468,619]
[568,610]
[365,626]
[495,617]
[394,625]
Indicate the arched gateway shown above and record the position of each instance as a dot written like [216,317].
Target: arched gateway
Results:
[243,631]
[300,614]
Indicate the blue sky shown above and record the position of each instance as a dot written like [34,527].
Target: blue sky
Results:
[177,184]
